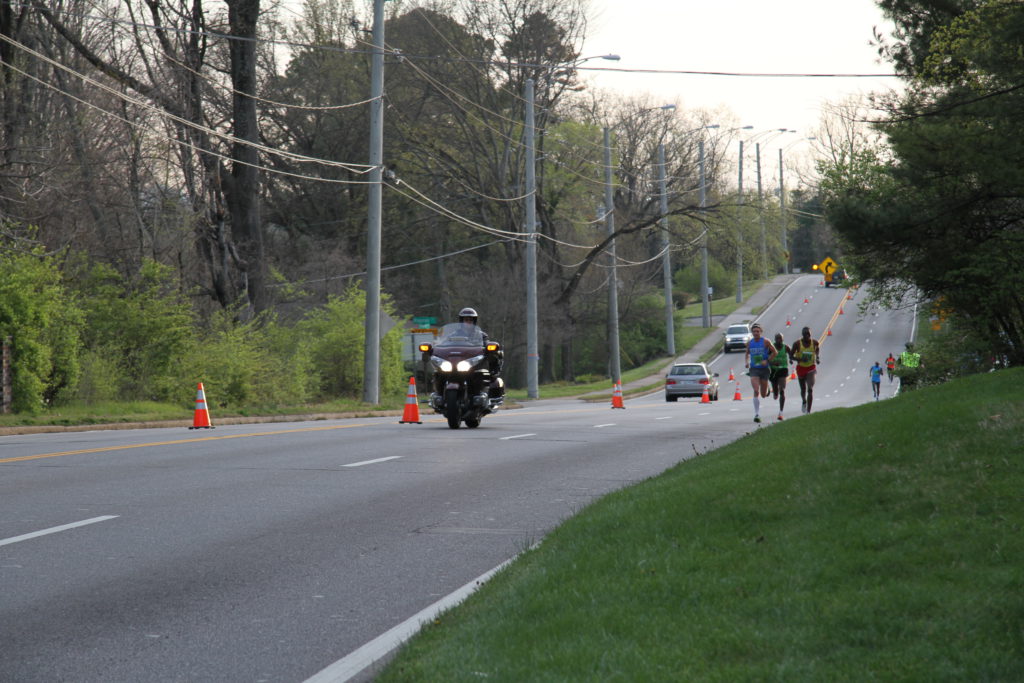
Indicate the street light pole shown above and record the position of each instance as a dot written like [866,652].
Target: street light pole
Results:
[613,285]
[666,259]
[529,227]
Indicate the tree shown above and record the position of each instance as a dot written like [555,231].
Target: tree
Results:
[945,215]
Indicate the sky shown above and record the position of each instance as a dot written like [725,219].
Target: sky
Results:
[747,36]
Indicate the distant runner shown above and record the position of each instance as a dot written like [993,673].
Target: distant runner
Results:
[890,365]
[807,354]
[780,372]
[760,353]
[876,379]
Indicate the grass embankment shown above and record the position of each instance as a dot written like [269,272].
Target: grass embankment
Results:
[879,542]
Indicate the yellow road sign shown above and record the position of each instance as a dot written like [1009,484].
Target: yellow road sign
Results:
[828,266]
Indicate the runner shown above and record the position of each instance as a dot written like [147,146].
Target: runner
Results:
[807,354]
[876,379]
[780,372]
[760,353]
[890,365]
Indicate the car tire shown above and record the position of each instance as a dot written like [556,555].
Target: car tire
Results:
[671,399]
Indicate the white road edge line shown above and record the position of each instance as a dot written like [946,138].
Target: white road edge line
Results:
[351,664]
[606,424]
[55,529]
[517,436]
[372,462]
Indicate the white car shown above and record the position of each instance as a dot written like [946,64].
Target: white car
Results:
[736,337]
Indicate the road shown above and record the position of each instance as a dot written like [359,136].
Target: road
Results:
[269,553]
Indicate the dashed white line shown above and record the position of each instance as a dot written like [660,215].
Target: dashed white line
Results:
[667,417]
[55,529]
[517,436]
[372,462]
[607,424]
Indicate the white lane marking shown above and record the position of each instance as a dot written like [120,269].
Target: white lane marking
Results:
[371,462]
[55,529]
[702,414]
[667,417]
[517,436]
[607,424]
[351,664]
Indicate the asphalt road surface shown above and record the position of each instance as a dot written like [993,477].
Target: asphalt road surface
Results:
[270,553]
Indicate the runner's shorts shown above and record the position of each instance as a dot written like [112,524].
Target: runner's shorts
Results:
[762,373]
[779,373]
[802,372]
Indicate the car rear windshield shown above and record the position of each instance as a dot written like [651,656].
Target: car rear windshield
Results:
[687,370]
[738,329]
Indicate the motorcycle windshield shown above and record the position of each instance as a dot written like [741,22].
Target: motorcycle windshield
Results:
[460,334]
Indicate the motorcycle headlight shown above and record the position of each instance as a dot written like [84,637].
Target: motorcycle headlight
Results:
[441,364]
[469,363]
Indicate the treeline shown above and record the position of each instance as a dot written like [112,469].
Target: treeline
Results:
[227,143]
[98,336]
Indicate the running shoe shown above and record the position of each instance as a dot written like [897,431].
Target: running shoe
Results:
[780,417]
[757,418]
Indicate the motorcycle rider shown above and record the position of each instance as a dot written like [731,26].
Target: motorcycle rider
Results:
[468,316]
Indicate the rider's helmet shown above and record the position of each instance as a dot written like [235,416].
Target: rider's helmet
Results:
[468,315]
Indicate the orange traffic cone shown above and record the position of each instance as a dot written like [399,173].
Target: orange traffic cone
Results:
[841,310]
[704,397]
[736,396]
[849,297]
[731,376]
[201,418]
[792,375]
[829,332]
[411,412]
[788,323]
[806,300]
[617,396]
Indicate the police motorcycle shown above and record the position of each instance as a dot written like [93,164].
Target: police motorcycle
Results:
[466,366]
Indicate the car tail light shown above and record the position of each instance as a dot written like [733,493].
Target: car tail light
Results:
[705,381]
[670,381]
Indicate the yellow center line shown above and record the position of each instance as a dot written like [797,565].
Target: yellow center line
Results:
[104,449]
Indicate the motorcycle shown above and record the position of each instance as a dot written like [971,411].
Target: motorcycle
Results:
[466,367]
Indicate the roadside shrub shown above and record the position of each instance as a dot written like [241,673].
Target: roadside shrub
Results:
[142,326]
[335,335]
[43,324]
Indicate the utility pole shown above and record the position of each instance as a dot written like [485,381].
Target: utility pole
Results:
[760,213]
[371,347]
[613,284]
[666,258]
[532,355]
[705,303]
[739,235]
[782,217]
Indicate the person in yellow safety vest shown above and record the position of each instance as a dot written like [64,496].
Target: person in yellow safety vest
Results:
[910,358]
[910,362]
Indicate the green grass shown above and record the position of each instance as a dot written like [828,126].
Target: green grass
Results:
[882,542]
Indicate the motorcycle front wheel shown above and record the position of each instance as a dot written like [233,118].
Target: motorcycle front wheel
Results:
[451,408]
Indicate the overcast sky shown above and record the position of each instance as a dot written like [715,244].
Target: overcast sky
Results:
[746,36]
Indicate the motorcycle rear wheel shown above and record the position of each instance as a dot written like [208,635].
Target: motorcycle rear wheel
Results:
[451,408]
